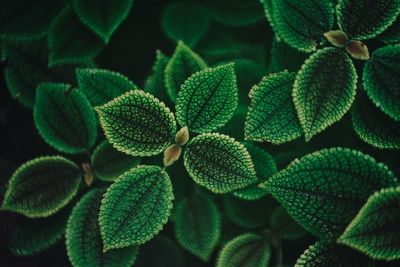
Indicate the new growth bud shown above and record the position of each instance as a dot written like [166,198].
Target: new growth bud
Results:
[88,174]
[172,154]
[357,50]
[337,38]
[182,136]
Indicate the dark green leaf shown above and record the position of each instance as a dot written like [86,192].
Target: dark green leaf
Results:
[284,226]
[155,83]
[284,57]
[392,34]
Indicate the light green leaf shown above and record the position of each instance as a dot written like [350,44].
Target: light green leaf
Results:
[183,63]
[283,57]
[375,229]
[135,207]
[219,163]
[198,224]
[324,190]
[392,34]
[208,99]
[64,118]
[246,250]
[272,116]
[42,186]
[137,124]
[83,240]
[324,90]
[155,83]
[284,226]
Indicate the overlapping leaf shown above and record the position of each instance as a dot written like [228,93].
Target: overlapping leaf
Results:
[155,83]
[392,34]
[284,226]
[284,57]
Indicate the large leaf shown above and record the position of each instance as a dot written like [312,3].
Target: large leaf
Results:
[365,19]
[219,163]
[208,99]
[42,186]
[382,78]
[375,229]
[64,118]
[324,190]
[137,123]
[155,83]
[135,207]
[198,224]
[272,116]
[284,57]
[283,226]
[84,243]
[392,34]
[324,90]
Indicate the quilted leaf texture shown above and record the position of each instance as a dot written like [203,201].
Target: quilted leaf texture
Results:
[83,240]
[246,250]
[42,186]
[198,224]
[301,24]
[365,19]
[324,190]
[219,163]
[183,63]
[101,86]
[64,118]
[272,115]
[375,229]
[324,90]
[137,123]
[392,34]
[102,17]
[208,99]
[135,207]
[381,78]
[284,226]
[108,163]
[155,83]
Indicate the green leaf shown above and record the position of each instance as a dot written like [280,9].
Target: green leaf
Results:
[70,42]
[135,207]
[138,124]
[219,163]
[364,19]
[301,24]
[284,226]
[324,190]
[392,34]
[101,86]
[155,83]
[246,250]
[84,243]
[375,229]
[183,63]
[208,99]
[108,164]
[188,21]
[102,17]
[324,90]
[284,57]
[42,186]
[381,79]
[198,224]
[272,116]
[64,118]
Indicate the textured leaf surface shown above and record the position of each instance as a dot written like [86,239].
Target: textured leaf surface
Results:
[284,57]
[64,118]
[135,207]
[155,83]
[219,163]
[392,34]
[324,190]
[137,124]
[324,90]
[272,116]
[84,243]
[208,99]
[42,186]
[375,229]
[237,12]
[284,226]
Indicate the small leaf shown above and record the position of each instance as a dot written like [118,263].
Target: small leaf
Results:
[324,190]
[364,19]
[284,57]
[135,207]
[381,79]
[375,229]
[64,118]
[183,63]
[357,50]
[108,164]
[83,240]
[101,86]
[198,225]
[324,90]
[208,99]
[246,250]
[102,17]
[272,116]
[219,163]
[155,83]
[42,186]
[138,124]
[392,34]
[284,226]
